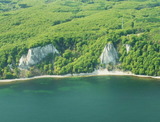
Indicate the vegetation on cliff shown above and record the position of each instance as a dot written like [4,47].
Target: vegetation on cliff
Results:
[80,29]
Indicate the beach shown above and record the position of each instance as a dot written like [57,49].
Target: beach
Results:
[101,72]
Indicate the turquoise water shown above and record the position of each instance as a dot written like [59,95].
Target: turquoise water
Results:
[81,99]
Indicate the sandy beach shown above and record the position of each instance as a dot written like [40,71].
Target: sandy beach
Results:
[103,72]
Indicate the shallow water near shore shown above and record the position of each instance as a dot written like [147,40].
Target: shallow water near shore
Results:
[81,99]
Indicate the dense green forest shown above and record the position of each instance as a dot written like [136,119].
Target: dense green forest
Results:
[80,29]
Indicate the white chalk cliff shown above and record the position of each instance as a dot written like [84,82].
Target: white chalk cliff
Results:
[109,55]
[128,48]
[35,55]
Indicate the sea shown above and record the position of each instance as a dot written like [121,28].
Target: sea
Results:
[81,99]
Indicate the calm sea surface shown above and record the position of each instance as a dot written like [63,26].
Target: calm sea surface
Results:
[81,99]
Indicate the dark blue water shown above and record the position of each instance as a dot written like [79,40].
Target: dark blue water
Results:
[81,99]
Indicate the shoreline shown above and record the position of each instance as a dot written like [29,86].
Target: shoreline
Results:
[103,72]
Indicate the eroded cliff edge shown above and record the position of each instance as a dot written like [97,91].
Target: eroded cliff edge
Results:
[36,55]
[109,55]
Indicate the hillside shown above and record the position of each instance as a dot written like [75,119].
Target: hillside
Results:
[79,30]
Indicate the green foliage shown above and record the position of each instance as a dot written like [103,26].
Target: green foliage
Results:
[143,58]
[79,29]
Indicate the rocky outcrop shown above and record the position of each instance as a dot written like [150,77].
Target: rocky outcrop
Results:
[128,48]
[109,55]
[35,55]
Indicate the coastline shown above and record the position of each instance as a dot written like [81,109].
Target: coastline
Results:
[103,72]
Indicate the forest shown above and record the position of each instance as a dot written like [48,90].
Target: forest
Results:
[79,29]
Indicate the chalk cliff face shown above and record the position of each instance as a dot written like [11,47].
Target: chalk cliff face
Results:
[109,55]
[128,48]
[35,55]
